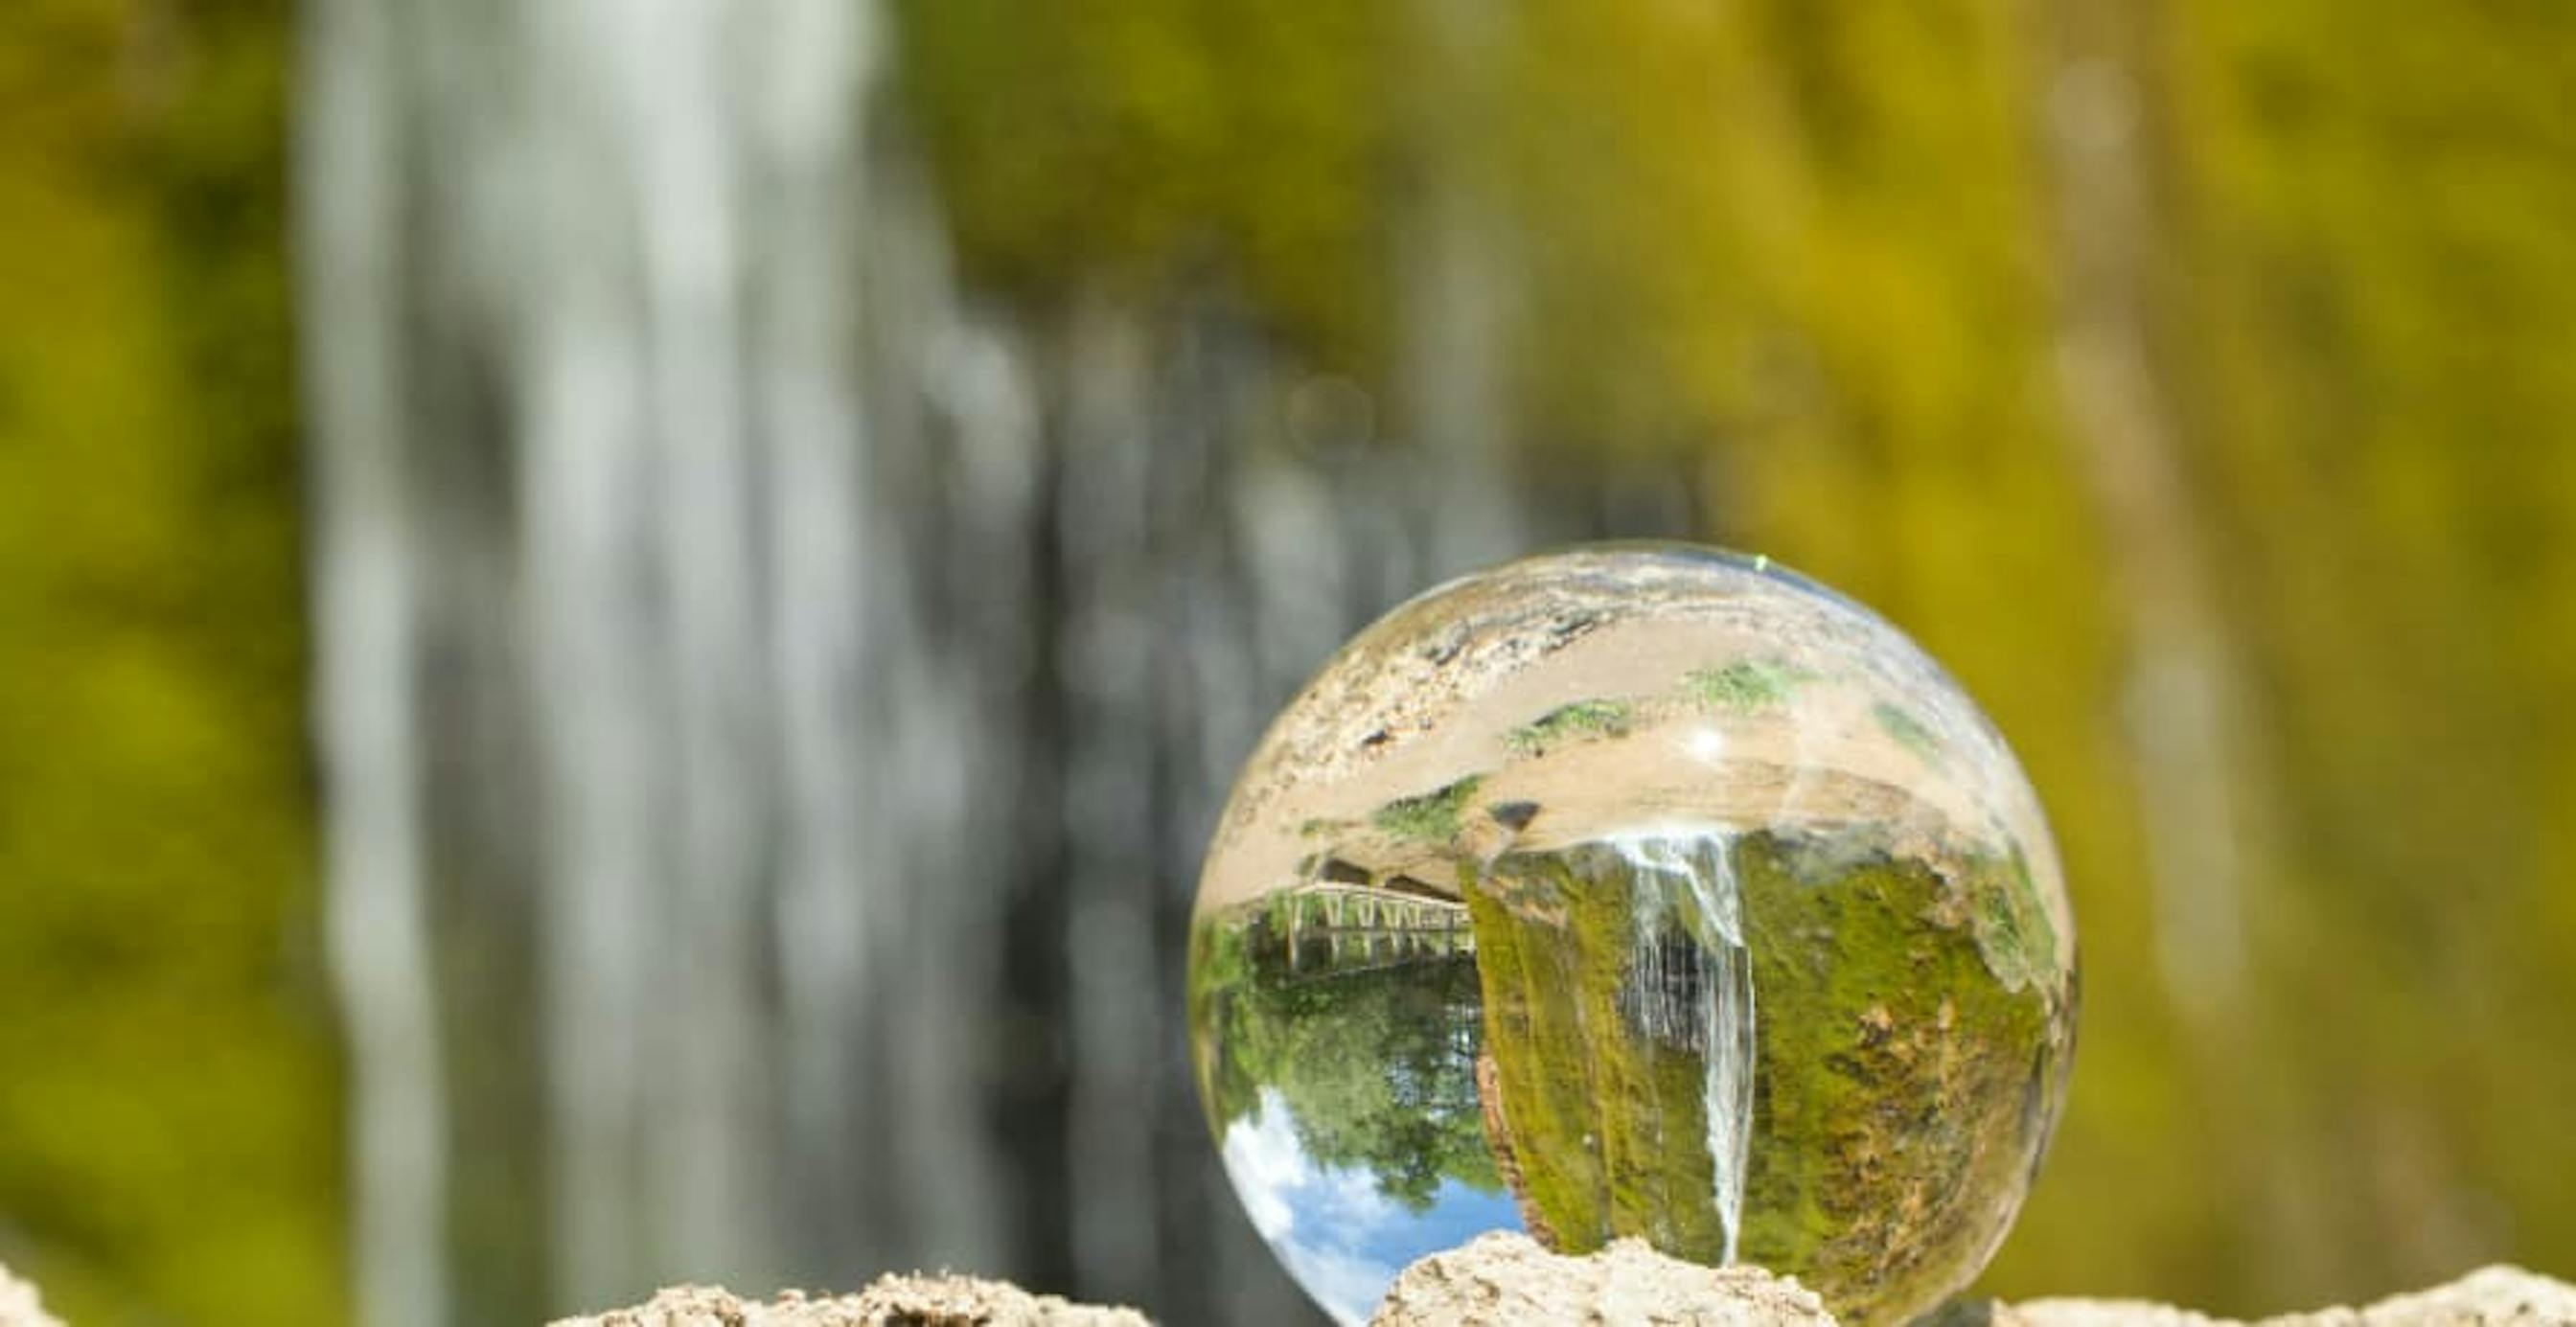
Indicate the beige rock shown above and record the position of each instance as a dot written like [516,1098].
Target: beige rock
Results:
[2492,1297]
[1501,1279]
[19,1306]
[2071,1313]
[893,1301]
[1508,1279]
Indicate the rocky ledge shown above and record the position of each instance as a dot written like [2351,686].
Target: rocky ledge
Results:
[894,1301]
[2489,1297]
[1507,1280]
[1510,1279]
[1499,1279]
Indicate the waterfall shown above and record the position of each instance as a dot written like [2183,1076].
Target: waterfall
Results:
[1685,880]
[365,588]
[586,395]
[772,702]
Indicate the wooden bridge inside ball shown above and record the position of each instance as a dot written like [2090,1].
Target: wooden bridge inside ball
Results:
[1337,929]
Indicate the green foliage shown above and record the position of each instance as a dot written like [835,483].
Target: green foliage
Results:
[1124,143]
[1220,966]
[1746,685]
[1432,817]
[1908,731]
[2014,934]
[1377,1067]
[168,1116]
[1566,723]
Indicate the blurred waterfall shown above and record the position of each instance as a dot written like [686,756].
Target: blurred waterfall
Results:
[772,706]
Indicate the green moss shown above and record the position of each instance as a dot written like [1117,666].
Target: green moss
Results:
[1607,1126]
[1908,731]
[1541,1064]
[1433,817]
[1899,1083]
[1584,719]
[1747,685]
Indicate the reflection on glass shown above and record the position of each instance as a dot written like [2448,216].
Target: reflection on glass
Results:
[1634,893]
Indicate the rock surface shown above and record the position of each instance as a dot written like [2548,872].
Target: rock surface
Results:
[2491,1297]
[1503,1279]
[1507,1279]
[894,1301]
[1500,1279]
[19,1306]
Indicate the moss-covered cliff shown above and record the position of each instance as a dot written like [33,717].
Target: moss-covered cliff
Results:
[168,1094]
[1906,1053]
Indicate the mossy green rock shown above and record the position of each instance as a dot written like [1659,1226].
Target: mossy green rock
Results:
[1905,1088]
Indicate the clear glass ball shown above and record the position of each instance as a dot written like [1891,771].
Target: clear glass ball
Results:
[1640,890]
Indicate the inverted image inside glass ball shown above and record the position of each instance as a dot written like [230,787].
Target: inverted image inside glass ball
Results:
[1634,890]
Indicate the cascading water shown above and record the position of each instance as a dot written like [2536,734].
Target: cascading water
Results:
[1687,892]
[773,704]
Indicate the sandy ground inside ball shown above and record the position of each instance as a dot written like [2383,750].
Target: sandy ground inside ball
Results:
[1419,705]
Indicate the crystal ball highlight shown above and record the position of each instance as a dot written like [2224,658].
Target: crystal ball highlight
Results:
[1637,890]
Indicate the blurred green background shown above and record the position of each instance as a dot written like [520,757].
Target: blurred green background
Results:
[2197,380]
[168,1085]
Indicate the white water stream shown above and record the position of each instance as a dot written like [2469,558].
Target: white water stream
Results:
[1687,877]
[771,704]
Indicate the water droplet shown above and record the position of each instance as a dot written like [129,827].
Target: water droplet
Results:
[1642,890]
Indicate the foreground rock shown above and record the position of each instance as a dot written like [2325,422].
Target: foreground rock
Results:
[19,1306]
[1509,1281]
[1501,1279]
[894,1301]
[2493,1297]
